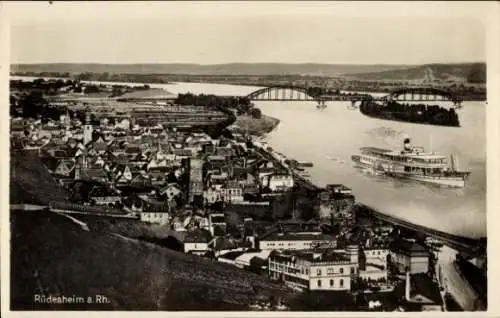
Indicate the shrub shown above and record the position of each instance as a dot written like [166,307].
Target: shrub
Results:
[255,112]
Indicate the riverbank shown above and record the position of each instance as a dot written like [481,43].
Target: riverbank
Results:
[246,124]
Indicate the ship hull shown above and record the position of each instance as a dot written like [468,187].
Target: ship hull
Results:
[444,181]
[452,182]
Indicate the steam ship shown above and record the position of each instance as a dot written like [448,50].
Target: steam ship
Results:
[413,163]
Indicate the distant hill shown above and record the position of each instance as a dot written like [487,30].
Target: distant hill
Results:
[456,73]
[311,69]
[467,72]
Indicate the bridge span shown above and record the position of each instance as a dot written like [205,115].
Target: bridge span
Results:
[282,93]
[300,93]
[421,94]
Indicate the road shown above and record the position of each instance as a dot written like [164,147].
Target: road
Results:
[452,281]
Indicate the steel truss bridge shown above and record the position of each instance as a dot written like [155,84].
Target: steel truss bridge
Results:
[298,93]
[282,93]
[417,94]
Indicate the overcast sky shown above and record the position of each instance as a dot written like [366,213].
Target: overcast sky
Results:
[213,33]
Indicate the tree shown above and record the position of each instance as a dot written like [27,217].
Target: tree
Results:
[477,74]
[255,112]
[91,89]
[172,243]
[33,104]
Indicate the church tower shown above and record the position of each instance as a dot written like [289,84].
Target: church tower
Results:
[67,121]
[87,130]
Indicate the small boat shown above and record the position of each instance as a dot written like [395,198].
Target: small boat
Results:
[305,164]
[413,163]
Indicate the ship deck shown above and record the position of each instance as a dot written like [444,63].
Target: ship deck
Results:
[387,152]
[376,150]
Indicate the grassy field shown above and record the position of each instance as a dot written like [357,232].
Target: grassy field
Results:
[255,126]
[132,275]
[148,93]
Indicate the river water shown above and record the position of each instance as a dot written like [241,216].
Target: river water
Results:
[329,137]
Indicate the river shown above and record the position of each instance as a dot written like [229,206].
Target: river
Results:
[329,138]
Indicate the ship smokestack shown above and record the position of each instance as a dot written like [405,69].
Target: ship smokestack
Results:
[454,163]
[407,144]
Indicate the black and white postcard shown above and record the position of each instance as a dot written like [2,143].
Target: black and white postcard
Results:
[249,157]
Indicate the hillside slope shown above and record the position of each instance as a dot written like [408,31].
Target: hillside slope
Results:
[31,183]
[131,275]
[470,72]
[51,253]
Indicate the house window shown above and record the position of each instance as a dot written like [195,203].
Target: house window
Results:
[307,271]
[352,270]
[331,282]
[319,282]
[319,272]
[341,270]
[341,283]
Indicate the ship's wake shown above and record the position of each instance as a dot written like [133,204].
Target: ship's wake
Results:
[339,160]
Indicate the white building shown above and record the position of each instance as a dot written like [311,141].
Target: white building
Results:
[123,124]
[216,220]
[87,131]
[295,241]
[197,242]
[374,266]
[278,182]
[161,218]
[315,270]
[229,193]
[377,256]
[232,194]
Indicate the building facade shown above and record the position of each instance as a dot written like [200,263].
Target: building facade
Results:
[295,241]
[409,255]
[313,270]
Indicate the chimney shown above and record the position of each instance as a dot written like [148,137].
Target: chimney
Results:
[407,144]
[407,285]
